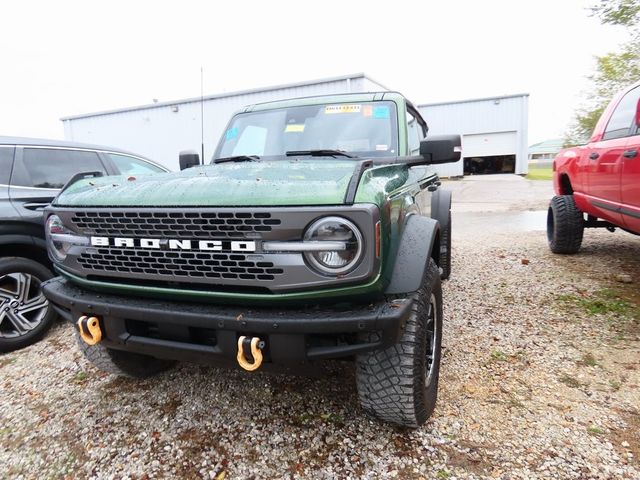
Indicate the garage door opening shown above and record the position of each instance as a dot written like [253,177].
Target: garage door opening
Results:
[490,164]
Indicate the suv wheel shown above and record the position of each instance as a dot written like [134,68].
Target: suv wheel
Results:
[400,384]
[565,225]
[124,364]
[25,314]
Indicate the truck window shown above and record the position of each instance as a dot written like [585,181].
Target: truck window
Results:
[128,165]
[6,161]
[52,168]
[622,117]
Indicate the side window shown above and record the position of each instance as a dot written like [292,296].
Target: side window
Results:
[127,165]
[413,134]
[622,118]
[52,168]
[6,162]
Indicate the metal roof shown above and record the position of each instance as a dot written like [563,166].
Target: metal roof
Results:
[223,95]
[472,100]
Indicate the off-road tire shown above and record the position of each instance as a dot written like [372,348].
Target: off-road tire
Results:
[121,363]
[445,251]
[392,383]
[37,271]
[565,225]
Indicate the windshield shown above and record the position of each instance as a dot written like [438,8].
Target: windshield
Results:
[363,129]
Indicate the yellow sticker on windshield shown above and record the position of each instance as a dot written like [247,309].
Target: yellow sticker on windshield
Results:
[342,109]
[294,128]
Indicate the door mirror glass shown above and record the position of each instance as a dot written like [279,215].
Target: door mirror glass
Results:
[188,159]
[441,149]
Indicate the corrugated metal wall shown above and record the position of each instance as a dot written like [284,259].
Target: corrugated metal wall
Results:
[483,116]
[161,132]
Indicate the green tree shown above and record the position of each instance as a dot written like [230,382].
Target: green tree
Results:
[614,71]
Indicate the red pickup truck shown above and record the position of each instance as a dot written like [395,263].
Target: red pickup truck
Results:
[598,184]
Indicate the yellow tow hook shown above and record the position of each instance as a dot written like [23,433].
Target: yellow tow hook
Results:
[89,330]
[256,346]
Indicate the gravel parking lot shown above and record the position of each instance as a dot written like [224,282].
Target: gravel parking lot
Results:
[540,379]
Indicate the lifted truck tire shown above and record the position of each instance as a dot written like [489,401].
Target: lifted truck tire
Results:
[26,314]
[565,225]
[400,384]
[121,363]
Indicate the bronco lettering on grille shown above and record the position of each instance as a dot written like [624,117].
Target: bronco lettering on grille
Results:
[173,244]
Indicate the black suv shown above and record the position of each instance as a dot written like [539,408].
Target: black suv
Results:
[32,171]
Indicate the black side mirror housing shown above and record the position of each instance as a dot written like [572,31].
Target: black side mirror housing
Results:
[188,159]
[441,149]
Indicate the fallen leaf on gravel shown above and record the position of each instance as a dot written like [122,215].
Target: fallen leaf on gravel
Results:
[524,261]
[221,475]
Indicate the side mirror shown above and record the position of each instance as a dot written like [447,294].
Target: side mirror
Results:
[441,149]
[188,159]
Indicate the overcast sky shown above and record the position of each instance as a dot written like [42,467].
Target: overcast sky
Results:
[65,57]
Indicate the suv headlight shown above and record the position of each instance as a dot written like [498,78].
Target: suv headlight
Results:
[343,245]
[60,239]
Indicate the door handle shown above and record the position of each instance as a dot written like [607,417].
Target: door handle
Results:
[630,154]
[594,156]
[35,206]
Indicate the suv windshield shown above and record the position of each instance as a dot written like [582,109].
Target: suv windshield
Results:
[362,129]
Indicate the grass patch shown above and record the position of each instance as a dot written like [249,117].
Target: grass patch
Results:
[593,430]
[540,173]
[600,302]
[570,381]
[588,360]
[498,356]
[615,385]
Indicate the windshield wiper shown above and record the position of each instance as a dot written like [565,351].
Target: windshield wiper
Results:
[320,153]
[237,158]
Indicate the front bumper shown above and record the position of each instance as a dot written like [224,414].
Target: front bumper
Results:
[206,332]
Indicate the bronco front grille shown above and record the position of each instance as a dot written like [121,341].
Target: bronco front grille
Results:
[183,265]
[175,224]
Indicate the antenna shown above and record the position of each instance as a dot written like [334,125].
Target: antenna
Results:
[202,114]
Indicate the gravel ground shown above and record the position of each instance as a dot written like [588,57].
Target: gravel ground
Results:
[540,379]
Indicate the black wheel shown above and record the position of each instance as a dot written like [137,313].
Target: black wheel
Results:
[565,225]
[400,384]
[124,364]
[25,314]
[445,251]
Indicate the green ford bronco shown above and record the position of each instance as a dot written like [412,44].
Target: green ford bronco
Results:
[318,231]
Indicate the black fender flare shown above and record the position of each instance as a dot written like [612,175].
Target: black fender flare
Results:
[413,256]
[440,207]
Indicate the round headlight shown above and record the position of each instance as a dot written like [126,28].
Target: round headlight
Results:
[344,250]
[56,232]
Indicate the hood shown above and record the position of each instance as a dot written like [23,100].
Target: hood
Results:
[263,183]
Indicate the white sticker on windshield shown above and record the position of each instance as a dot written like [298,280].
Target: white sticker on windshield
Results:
[382,148]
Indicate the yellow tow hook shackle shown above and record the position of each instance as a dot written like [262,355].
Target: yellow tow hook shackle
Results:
[255,352]
[89,328]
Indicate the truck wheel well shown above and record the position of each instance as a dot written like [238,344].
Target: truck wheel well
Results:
[565,185]
[26,251]
[435,251]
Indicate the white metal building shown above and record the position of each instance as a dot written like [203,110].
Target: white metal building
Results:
[161,130]
[494,129]
[494,133]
